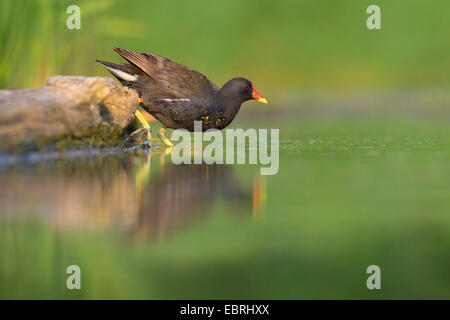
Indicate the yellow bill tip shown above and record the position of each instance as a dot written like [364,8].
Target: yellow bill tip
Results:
[263,100]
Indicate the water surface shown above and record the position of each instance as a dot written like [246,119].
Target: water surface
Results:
[351,192]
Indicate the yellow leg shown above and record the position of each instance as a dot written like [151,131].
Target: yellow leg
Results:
[162,136]
[145,127]
[141,119]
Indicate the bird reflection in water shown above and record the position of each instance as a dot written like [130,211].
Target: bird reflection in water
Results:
[182,195]
[143,195]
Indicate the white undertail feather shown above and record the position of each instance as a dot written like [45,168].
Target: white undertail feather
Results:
[122,74]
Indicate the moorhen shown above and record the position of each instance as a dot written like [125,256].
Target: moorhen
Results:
[177,95]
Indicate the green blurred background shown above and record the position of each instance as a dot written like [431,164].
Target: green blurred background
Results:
[281,45]
[364,156]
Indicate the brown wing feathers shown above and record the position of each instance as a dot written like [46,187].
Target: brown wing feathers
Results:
[166,78]
[139,60]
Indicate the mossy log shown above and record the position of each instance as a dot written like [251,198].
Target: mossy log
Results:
[68,112]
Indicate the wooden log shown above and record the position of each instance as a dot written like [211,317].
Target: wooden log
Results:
[68,112]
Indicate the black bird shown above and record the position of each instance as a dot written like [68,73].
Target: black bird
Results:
[177,95]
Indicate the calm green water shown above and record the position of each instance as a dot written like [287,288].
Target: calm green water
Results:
[352,191]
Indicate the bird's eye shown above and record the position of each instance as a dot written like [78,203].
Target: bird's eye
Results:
[246,86]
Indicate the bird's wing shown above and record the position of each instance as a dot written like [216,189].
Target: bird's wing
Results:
[171,80]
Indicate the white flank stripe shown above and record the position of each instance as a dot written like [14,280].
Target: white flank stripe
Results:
[173,100]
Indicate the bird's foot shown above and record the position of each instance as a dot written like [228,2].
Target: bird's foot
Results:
[141,138]
[164,139]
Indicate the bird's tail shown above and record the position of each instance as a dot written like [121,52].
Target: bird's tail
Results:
[123,72]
